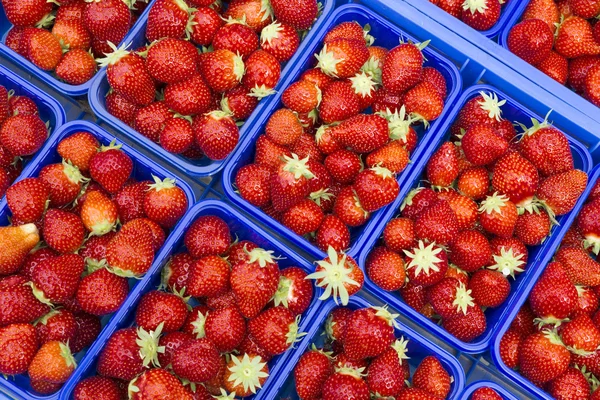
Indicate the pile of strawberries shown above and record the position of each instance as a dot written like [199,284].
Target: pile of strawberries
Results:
[485,393]
[362,359]
[562,39]
[488,196]
[22,134]
[323,165]
[65,38]
[554,339]
[191,101]
[248,312]
[65,262]
[478,14]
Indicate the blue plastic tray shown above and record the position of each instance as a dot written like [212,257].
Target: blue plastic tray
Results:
[45,76]
[194,168]
[524,294]
[245,230]
[143,169]
[418,348]
[505,394]
[386,35]
[512,111]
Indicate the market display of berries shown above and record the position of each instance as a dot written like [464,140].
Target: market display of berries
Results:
[561,39]
[79,229]
[554,339]
[323,165]
[462,236]
[362,358]
[247,313]
[192,101]
[478,14]
[66,37]
[22,134]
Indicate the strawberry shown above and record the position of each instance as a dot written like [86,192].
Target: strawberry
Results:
[238,102]
[158,307]
[73,34]
[127,75]
[342,58]
[283,127]
[474,183]
[580,335]
[437,223]
[386,269]
[302,96]
[485,393]
[111,167]
[53,363]
[399,234]
[360,342]
[547,148]
[275,329]
[24,13]
[222,69]
[589,225]
[17,242]
[18,302]
[97,386]
[431,376]
[34,258]
[311,372]
[572,383]
[294,291]
[388,372]
[556,67]
[208,277]
[403,67]
[56,279]
[27,199]
[523,322]
[244,375]
[76,67]
[531,40]
[470,251]
[393,156]
[131,252]
[172,341]
[543,357]
[23,135]
[482,145]
[262,74]
[107,20]
[561,191]
[362,133]
[554,297]
[167,18]
[101,292]
[205,22]
[489,288]
[442,168]
[481,15]
[375,188]
[197,361]
[78,149]
[63,231]
[348,209]
[236,37]
[149,120]
[579,266]
[226,328]
[509,256]
[574,38]
[303,217]
[498,215]
[426,265]
[449,298]
[424,101]
[171,60]
[19,346]
[578,71]
[164,202]
[280,40]
[64,181]
[130,201]
[339,102]
[128,352]
[57,325]
[289,183]
[532,228]
[345,383]
[343,165]
[176,273]
[208,235]
[332,232]
[44,50]
[121,108]
[253,183]
[254,12]
[591,89]
[188,96]
[157,381]
[300,14]
[467,326]
[88,329]
[546,10]
[509,348]
[517,178]
[216,134]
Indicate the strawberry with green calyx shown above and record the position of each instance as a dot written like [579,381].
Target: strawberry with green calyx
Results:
[196,361]
[532,228]
[57,325]
[339,275]
[16,243]
[426,265]
[342,58]
[53,363]
[63,231]
[580,335]
[442,168]
[262,74]
[167,18]
[369,332]
[56,280]
[111,167]
[244,375]
[99,214]
[195,323]
[157,381]
[498,215]
[362,133]
[156,307]
[222,69]
[346,383]
[339,102]
[294,291]
[489,288]
[393,156]
[438,223]
[388,372]
[289,183]
[508,262]
[279,39]
[579,266]
[543,357]
[311,372]
[554,297]
[19,305]
[348,209]
[78,149]
[364,86]
[400,127]
[560,192]
[64,182]
[165,202]
[588,222]
[375,188]
[216,134]
[450,298]
[424,102]
[275,329]
[517,178]
[403,67]
[481,14]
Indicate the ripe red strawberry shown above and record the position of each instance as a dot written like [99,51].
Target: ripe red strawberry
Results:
[375,188]
[386,269]
[57,325]
[275,329]
[208,235]
[27,199]
[127,75]
[348,209]
[572,383]
[131,251]
[302,96]
[44,387]
[111,167]
[236,37]
[481,15]
[547,148]
[531,40]
[339,102]
[172,60]
[197,361]
[449,298]
[262,74]
[546,10]
[176,272]
[107,20]
[580,335]
[253,11]
[578,71]
[23,135]
[167,18]
[533,227]
[76,67]
[426,265]
[78,149]
[574,38]
[130,201]
[579,266]
[298,13]
[253,183]
[245,374]
[437,223]
[468,326]
[188,97]
[294,291]
[222,69]
[121,108]
[332,232]
[362,133]
[485,393]
[64,181]
[339,275]
[226,328]
[470,251]
[342,57]
[164,202]
[392,156]
[19,345]
[498,215]
[561,191]
[205,23]
[556,67]
[216,134]
[474,183]
[482,145]
[158,381]
[18,302]
[34,258]
[172,341]
[238,102]
[58,278]
[53,363]
[289,183]
[303,217]
[517,178]
[88,329]
[345,383]
[97,386]
[489,288]
[588,224]
[44,50]
[554,297]
[442,168]
[208,277]
[370,331]
[402,67]
[509,348]
[311,372]
[63,231]
[25,13]
[343,165]
[149,120]
[424,101]
[543,357]
[388,372]
[157,308]
[102,292]
[591,88]
[283,127]
[280,40]
[399,234]
[431,376]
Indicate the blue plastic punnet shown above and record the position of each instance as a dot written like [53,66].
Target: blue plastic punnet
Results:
[418,347]
[194,168]
[524,294]
[385,35]
[512,111]
[505,394]
[144,168]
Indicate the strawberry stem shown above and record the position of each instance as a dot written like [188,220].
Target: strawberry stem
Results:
[247,372]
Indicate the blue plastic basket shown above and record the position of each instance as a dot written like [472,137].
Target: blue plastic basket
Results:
[194,168]
[386,35]
[245,230]
[505,394]
[47,77]
[512,111]
[143,170]
[524,294]
[419,347]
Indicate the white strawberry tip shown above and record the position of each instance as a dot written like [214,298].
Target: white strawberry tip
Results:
[239,69]
[158,185]
[333,276]
[508,263]
[261,91]
[408,200]
[363,84]
[297,167]
[293,336]
[424,259]
[592,242]
[39,294]
[491,105]
[401,347]
[115,56]
[321,195]
[475,6]
[147,341]
[493,203]
[463,299]
[66,354]
[199,326]
[260,256]
[387,316]
[372,68]
[270,32]
[327,62]
[283,292]
[247,372]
